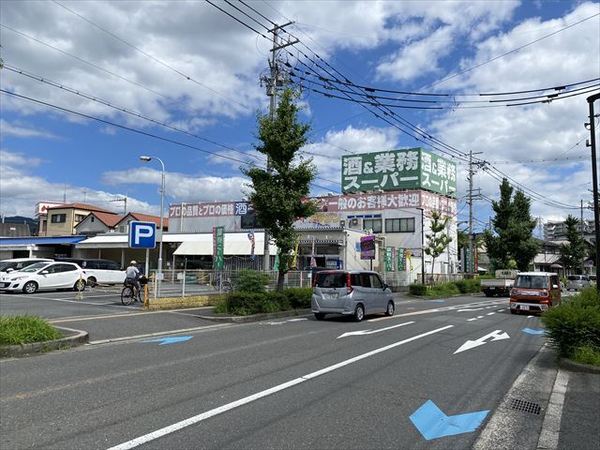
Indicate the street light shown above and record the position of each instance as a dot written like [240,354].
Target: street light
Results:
[159,275]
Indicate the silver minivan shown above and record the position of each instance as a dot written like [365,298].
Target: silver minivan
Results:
[577,282]
[355,293]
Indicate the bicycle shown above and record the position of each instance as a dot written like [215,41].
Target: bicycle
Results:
[130,293]
[222,283]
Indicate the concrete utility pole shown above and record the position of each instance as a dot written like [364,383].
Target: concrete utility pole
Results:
[274,82]
[582,237]
[471,268]
[591,99]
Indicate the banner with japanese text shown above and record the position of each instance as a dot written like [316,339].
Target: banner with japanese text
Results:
[394,170]
[388,258]
[218,248]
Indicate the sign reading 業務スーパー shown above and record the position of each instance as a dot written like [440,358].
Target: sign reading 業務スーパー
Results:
[395,170]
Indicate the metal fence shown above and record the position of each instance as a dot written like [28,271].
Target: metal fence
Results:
[184,283]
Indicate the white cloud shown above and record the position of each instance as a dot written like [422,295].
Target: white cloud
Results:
[20,190]
[182,187]
[21,130]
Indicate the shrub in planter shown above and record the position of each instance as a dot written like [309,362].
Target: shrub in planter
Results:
[442,290]
[417,289]
[299,298]
[251,281]
[575,323]
[468,286]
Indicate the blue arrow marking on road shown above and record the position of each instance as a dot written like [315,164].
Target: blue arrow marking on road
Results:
[171,340]
[433,423]
[533,330]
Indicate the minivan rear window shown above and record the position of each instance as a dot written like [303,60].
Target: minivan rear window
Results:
[330,279]
[531,282]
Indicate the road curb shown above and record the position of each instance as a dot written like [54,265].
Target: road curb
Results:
[573,366]
[257,317]
[77,337]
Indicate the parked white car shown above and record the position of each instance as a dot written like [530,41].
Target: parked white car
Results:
[10,265]
[44,276]
[99,271]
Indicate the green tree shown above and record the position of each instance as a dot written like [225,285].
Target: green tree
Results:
[523,247]
[437,240]
[279,195]
[572,254]
[510,242]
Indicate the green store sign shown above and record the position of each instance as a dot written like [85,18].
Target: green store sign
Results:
[395,170]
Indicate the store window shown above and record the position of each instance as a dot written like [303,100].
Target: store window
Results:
[400,225]
[372,224]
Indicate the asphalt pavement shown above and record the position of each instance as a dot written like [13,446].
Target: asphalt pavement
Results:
[432,376]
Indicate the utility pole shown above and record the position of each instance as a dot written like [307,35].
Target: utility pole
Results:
[471,268]
[591,99]
[582,237]
[124,201]
[273,82]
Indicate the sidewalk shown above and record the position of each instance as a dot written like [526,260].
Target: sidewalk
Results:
[580,423]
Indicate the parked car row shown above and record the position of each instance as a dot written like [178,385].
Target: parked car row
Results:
[32,274]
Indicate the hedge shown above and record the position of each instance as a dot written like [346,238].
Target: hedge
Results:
[445,289]
[246,303]
[575,323]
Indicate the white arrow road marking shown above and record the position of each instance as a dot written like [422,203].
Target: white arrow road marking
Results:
[364,332]
[495,335]
[469,309]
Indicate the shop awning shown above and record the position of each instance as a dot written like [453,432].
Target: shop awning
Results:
[26,242]
[235,244]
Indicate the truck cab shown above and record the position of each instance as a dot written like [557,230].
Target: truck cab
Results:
[535,292]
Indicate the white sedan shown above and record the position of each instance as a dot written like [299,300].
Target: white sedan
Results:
[45,276]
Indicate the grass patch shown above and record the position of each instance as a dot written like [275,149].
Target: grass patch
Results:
[16,330]
[586,354]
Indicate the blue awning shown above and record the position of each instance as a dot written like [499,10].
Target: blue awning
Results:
[40,240]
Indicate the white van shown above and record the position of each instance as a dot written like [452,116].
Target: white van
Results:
[100,271]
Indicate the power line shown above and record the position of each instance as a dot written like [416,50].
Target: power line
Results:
[84,61]
[146,54]
[135,130]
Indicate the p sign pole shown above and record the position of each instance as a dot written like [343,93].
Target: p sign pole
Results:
[143,235]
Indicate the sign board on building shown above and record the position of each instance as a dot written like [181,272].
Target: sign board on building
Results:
[41,208]
[367,247]
[212,209]
[218,248]
[394,170]
[401,260]
[142,234]
[389,259]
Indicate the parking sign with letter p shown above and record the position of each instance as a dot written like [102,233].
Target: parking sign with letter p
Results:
[142,235]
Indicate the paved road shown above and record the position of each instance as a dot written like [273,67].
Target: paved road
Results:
[287,383]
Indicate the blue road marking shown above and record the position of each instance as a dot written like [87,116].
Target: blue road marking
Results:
[535,331]
[170,340]
[432,423]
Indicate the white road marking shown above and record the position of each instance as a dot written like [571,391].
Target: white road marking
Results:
[497,335]
[469,309]
[471,320]
[298,320]
[530,317]
[251,398]
[490,314]
[159,333]
[500,310]
[551,426]
[379,330]
[480,317]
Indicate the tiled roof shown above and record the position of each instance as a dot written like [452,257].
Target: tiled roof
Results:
[84,206]
[108,219]
[148,218]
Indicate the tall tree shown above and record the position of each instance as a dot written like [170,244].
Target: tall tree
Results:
[437,240]
[496,239]
[510,242]
[279,196]
[572,254]
[523,247]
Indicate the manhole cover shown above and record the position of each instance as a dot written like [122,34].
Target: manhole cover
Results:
[525,406]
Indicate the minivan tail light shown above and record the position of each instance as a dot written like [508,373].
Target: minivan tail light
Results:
[349,287]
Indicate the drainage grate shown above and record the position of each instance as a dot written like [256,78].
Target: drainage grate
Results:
[525,406]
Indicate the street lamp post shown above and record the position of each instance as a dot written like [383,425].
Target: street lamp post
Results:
[591,99]
[159,275]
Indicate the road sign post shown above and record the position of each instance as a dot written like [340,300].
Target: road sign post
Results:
[142,235]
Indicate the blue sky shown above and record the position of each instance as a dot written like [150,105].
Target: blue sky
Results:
[408,46]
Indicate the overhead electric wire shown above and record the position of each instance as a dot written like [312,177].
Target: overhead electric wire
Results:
[146,54]
[119,108]
[468,69]
[83,61]
[237,19]
[135,130]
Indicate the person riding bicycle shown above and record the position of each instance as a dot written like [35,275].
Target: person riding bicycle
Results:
[132,276]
